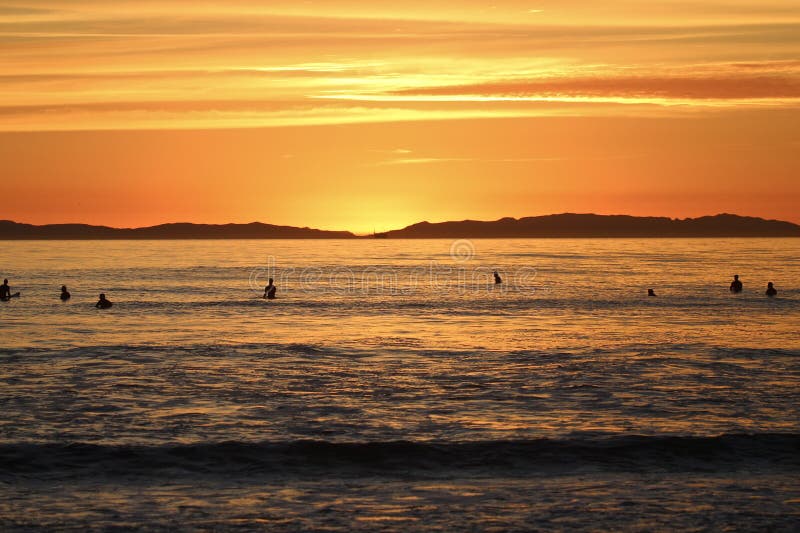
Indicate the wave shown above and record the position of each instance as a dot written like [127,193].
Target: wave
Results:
[724,453]
[368,345]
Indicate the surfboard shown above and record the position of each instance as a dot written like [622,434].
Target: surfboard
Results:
[15,295]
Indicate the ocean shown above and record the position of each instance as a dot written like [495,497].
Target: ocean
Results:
[393,386]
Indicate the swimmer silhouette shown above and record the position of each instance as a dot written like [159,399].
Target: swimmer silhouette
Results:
[651,292]
[736,285]
[102,303]
[65,295]
[497,280]
[771,291]
[5,292]
[269,290]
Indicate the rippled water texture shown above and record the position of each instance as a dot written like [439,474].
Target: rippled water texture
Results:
[393,386]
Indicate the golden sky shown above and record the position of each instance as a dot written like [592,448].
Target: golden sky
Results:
[359,115]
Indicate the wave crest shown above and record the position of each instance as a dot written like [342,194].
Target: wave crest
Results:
[613,453]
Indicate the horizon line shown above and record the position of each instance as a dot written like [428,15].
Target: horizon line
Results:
[368,233]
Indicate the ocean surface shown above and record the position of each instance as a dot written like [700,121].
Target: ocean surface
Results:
[392,386]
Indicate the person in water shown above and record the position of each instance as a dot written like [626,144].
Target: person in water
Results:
[102,303]
[269,290]
[736,285]
[651,292]
[497,279]
[771,290]
[5,290]
[65,295]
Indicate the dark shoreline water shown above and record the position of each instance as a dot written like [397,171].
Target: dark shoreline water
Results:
[132,445]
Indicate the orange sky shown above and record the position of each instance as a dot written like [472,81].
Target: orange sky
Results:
[359,115]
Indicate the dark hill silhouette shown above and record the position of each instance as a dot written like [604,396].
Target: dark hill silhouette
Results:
[564,225]
[590,225]
[256,230]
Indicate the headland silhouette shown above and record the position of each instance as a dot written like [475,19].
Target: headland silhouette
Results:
[566,225]
[570,225]
[183,230]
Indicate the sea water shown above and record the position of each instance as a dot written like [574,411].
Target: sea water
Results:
[392,385]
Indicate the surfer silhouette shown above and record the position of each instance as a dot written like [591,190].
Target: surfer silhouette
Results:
[497,279]
[5,292]
[102,303]
[736,285]
[269,290]
[771,290]
[65,295]
[651,292]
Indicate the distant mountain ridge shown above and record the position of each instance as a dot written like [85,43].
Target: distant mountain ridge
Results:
[590,225]
[182,230]
[562,225]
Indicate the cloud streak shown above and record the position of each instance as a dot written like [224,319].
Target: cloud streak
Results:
[435,160]
[767,86]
